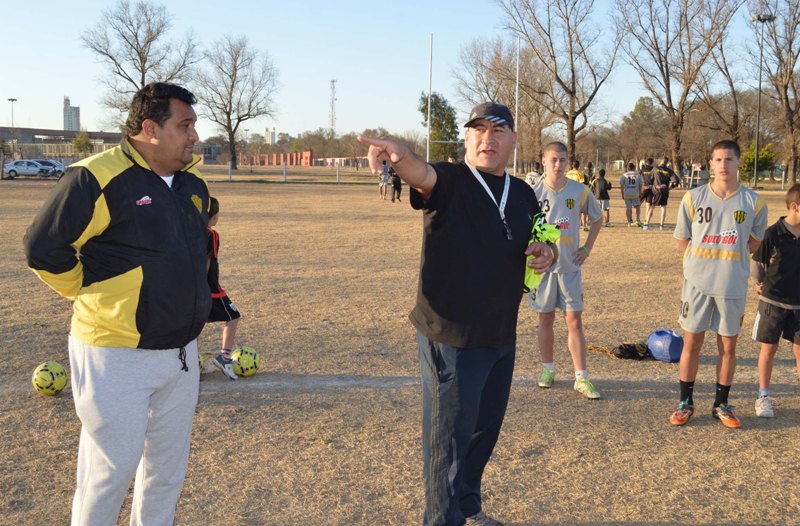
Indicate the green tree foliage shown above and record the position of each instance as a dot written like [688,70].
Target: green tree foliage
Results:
[443,126]
[766,160]
[82,144]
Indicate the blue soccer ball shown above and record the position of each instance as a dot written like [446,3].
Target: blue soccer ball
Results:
[665,345]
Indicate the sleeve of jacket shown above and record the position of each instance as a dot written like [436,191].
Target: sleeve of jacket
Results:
[74,212]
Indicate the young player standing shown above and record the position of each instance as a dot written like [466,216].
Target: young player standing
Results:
[222,308]
[600,188]
[663,179]
[718,226]
[646,195]
[562,200]
[630,185]
[776,265]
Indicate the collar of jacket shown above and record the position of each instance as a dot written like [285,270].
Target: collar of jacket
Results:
[137,158]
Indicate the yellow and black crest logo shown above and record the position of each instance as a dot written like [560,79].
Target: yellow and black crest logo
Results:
[740,216]
[570,203]
[198,202]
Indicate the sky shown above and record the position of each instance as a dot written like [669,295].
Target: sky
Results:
[376,51]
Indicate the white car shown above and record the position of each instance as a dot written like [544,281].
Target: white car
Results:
[27,167]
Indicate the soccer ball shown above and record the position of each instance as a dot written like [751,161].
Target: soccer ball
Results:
[245,361]
[49,378]
[665,345]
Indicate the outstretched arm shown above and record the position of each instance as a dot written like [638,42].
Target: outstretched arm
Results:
[412,169]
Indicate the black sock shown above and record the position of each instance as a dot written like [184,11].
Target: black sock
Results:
[722,395]
[687,390]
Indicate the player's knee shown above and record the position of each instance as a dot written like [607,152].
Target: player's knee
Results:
[547,319]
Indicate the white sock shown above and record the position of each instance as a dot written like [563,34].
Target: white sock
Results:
[581,375]
[550,367]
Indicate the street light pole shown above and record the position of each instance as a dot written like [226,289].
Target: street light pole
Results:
[762,19]
[13,143]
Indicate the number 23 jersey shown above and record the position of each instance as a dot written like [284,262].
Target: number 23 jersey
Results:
[563,208]
[717,259]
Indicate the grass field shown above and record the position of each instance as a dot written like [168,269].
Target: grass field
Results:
[328,431]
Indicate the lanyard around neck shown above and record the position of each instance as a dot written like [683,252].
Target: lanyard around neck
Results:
[502,206]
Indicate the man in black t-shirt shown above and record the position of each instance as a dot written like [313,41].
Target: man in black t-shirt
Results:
[477,224]
[663,179]
[396,182]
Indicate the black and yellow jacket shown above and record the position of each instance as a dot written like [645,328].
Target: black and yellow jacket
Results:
[128,249]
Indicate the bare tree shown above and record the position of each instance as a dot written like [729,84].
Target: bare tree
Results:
[132,40]
[236,84]
[781,53]
[669,43]
[487,71]
[567,50]
[724,104]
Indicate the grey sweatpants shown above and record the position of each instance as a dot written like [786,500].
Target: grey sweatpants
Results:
[136,408]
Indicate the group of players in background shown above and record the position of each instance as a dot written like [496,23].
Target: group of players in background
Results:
[650,184]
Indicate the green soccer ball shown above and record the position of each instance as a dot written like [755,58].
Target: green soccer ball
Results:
[49,378]
[245,361]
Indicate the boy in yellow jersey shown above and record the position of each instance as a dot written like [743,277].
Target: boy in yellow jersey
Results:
[563,200]
[719,225]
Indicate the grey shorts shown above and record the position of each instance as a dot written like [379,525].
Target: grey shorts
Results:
[605,204]
[562,291]
[631,202]
[701,313]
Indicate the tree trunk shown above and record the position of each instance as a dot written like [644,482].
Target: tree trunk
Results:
[570,137]
[232,148]
[677,162]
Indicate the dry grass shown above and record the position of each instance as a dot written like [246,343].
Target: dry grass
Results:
[328,432]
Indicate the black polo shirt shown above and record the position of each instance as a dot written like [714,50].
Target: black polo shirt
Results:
[780,254]
[471,275]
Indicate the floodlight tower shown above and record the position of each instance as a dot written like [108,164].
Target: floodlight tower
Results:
[333,107]
[761,19]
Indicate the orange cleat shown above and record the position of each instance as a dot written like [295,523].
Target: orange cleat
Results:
[682,414]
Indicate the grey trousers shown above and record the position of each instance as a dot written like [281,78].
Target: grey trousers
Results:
[136,408]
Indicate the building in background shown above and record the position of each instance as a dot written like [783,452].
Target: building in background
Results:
[72,116]
[269,136]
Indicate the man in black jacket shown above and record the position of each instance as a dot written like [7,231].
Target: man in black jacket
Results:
[123,235]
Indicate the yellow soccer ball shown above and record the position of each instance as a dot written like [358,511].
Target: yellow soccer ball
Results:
[49,378]
[245,361]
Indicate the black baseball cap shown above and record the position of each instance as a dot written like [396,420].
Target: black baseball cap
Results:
[493,112]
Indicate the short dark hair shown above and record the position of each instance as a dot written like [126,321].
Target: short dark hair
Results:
[555,145]
[576,164]
[727,144]
[602,172]
[650,161]
[793,195]
[152,102]
[631,166]
[213,207]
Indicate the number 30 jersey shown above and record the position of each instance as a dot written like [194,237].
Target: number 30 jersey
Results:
[717,259]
